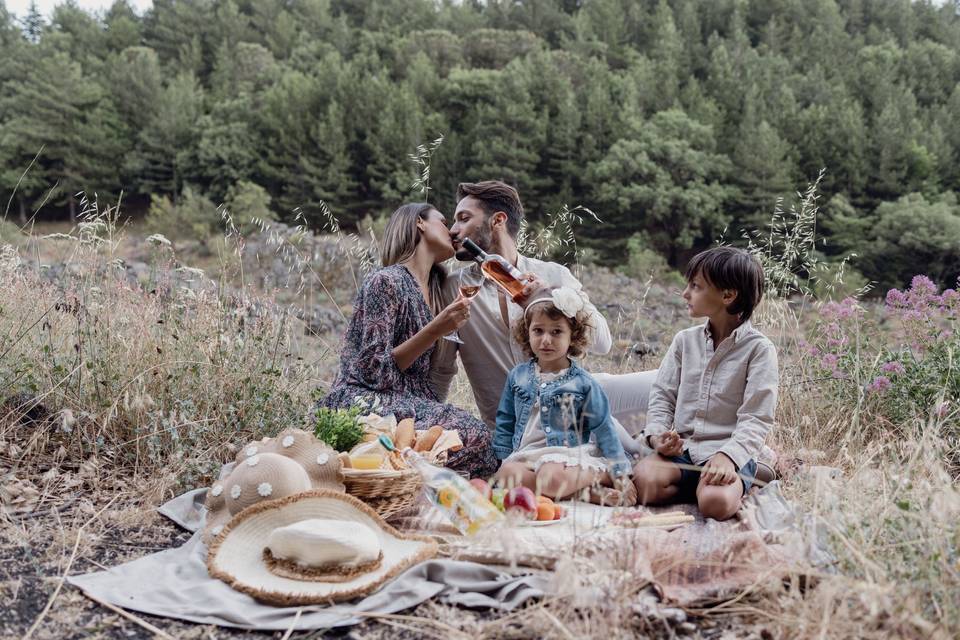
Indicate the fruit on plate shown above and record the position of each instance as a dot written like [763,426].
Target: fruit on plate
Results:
[497,497]
[546,511]
[521,500]
[542,499]
[482,487]
[558,512]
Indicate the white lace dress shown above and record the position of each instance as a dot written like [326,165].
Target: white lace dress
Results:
[534,451]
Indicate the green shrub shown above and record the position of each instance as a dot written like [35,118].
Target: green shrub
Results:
[643,262]
[10,233]
[248,205]
[193,217]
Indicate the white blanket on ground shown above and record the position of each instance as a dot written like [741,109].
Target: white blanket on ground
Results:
[175,584]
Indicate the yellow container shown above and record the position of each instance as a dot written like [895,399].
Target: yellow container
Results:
[366,461]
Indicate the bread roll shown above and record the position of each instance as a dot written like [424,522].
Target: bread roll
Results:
[405,434]
[428,438]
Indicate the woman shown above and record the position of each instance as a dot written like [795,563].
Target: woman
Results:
[398,321]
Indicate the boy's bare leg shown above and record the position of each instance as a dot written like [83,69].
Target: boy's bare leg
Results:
[656,479]
[559,481]
[719,501]
[515,474]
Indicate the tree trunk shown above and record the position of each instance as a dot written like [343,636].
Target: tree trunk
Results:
[73,210]
[23,212]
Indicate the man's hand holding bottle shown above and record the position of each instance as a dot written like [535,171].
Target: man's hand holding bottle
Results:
[531,284]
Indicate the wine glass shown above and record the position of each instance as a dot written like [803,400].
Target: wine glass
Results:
[470,282]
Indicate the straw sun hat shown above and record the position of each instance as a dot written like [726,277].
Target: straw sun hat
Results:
[316,547]
[293,462]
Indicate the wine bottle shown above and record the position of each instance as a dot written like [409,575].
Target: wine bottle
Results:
[498,269]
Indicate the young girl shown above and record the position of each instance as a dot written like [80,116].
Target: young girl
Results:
[554,430]
[715,394]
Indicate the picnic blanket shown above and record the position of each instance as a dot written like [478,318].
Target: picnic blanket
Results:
[703,560]
[175,584]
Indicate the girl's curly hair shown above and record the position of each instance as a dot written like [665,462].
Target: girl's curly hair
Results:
[580,329]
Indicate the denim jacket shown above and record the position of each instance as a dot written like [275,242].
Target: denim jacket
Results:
[572,408]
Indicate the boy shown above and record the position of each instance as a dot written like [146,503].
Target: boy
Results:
[715,394]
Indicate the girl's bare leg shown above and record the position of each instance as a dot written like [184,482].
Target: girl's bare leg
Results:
[558,481]
[515,474]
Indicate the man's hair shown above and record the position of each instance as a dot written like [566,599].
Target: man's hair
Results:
[730,268]
[495,196]
[580,329]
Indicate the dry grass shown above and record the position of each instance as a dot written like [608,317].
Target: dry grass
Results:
[123,391]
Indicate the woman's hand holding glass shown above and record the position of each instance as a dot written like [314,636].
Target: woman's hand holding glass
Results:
[470,282]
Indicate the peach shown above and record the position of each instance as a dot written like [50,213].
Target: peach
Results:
[546,511]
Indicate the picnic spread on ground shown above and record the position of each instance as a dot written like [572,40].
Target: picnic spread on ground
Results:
[282,541]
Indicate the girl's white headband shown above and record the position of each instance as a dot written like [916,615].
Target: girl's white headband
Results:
[567,300]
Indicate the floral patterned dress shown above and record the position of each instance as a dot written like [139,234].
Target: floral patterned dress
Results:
[388,311]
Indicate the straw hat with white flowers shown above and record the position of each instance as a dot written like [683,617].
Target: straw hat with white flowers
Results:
[312,548]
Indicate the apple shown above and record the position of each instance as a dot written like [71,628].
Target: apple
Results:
[522,500]
[482,487]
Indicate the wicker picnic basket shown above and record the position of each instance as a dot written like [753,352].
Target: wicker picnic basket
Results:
[387,492]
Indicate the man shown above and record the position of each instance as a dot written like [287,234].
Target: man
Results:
[490,213]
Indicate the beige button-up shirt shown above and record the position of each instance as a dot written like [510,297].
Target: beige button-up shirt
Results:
[721,400]
[488,353]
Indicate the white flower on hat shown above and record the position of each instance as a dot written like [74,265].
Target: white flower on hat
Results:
[264,489]
[251,450]
[569,301]
[287,441]
[235,491]
[252,462]
[323,458]
[217,490]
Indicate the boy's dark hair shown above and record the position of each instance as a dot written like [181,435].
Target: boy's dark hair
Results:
[495,196]
[580,329]
[730,268]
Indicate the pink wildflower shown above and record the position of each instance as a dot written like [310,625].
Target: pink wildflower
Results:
[943,409]
[922,286]
[879,384]
[895,298]
[892,367]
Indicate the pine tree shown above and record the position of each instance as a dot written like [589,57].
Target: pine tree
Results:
[33,23]
[303,155]
[665,179]
[123,28]
[166,142]
[56,109]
